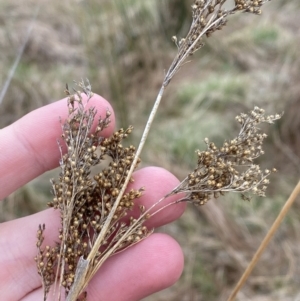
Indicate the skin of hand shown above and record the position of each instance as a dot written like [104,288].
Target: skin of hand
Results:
[27,149]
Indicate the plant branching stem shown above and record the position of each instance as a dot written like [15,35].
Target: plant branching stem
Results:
[135,160]
[266,241]
[80,283]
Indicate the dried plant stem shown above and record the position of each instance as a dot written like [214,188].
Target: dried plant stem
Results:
[80,281]
[266,241]
[135,160]
[176,64]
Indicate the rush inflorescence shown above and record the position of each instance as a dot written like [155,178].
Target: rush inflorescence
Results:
[95,207]
[231,167]
[86,202]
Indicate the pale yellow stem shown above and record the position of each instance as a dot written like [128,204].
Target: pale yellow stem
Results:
[265,242]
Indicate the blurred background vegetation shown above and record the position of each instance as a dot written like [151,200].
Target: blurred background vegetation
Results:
[123,47]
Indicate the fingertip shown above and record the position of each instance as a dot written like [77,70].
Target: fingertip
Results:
[102,106]
[145,268]
[167,260]
[158,182]
[30,144]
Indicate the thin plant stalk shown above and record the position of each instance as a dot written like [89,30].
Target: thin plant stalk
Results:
[138,152]
[266,241]
[82,268]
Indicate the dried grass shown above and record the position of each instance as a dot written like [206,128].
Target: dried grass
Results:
[280,82]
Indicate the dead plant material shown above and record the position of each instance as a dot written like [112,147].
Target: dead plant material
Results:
[86,204]
[92,218]
[265,242]
[231,167]
[93,208]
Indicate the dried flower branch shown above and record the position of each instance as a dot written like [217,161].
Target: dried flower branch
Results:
[86,203]
[95,210]
[231,167]
[208,17]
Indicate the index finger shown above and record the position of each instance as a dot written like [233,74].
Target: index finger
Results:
[28,147]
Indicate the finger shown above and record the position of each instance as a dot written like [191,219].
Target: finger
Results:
[28,146]
[148,267]
[142,270]
[18,273]
[157,182]
[18,239]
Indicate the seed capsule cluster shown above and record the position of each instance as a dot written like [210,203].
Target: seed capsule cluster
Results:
[85,201]
[231,167]
[46,261]
[208,16]
[249,6]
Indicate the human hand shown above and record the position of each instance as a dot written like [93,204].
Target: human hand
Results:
[28,149]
